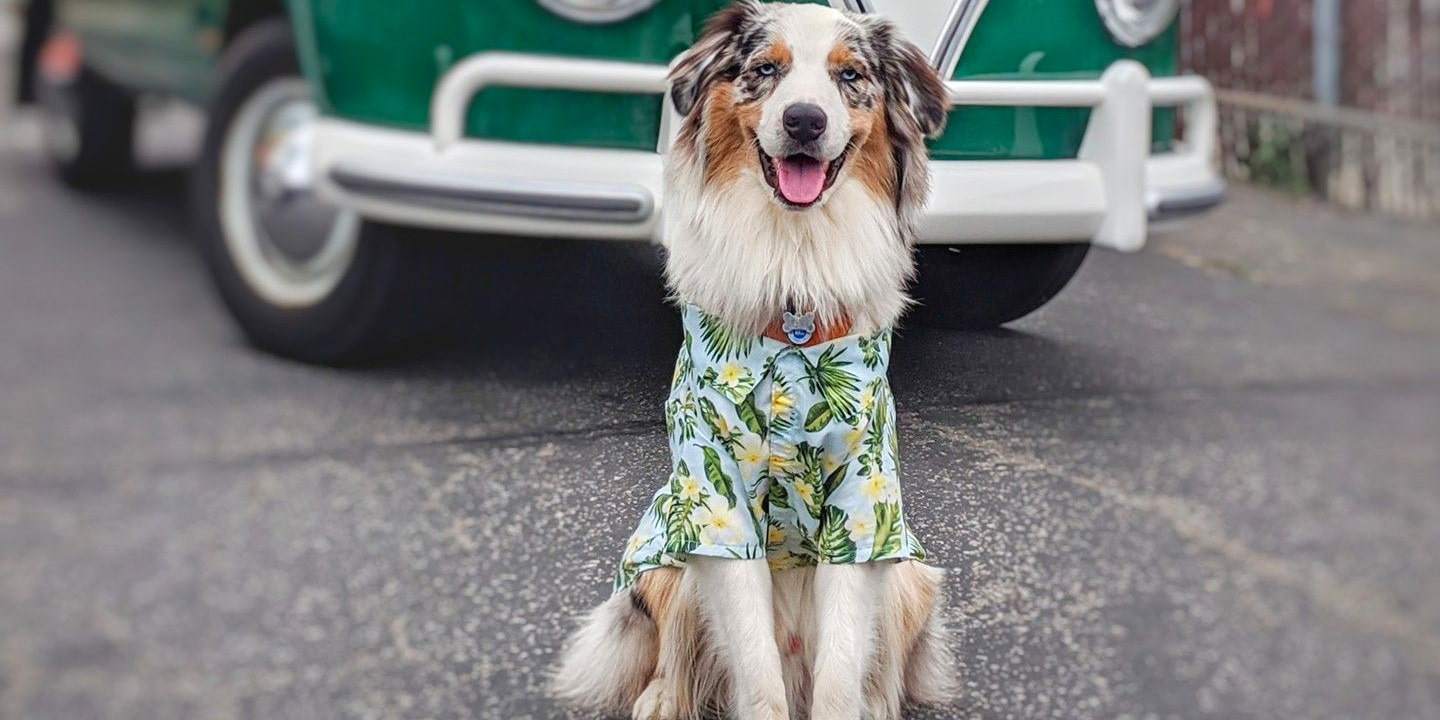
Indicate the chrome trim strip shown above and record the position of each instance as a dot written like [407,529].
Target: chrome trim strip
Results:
[1176,203]
[598,13]
[959,23]
[964,15]
[515,198]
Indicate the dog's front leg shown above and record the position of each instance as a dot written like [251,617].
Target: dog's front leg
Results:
[846,598]
[736,598]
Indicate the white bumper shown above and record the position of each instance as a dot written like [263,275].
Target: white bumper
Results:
[1109,193]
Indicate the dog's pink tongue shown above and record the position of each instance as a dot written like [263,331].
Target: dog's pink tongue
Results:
[802,179]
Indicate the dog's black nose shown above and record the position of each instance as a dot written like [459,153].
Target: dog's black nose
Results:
[804,121]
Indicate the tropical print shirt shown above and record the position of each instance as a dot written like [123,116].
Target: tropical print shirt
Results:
[777,451]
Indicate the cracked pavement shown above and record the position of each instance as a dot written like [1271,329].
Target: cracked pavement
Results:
[1203,483]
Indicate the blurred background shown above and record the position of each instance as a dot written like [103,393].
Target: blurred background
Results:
[1337,98]
[345,467]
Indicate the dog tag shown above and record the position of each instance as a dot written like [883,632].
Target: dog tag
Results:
[798,328]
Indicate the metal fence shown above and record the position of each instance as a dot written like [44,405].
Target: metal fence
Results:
[1340,98]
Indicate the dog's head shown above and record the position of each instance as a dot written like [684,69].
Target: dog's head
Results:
[796,99]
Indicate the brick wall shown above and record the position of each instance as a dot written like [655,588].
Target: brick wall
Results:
[1379,150]
[1266,46]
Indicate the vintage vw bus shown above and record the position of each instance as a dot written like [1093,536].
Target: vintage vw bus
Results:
[334,124]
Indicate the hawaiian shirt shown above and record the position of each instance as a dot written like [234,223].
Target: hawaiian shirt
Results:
[777,451]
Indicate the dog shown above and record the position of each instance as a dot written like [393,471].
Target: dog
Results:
[773,575]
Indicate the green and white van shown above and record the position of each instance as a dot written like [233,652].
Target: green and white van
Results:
[334,125]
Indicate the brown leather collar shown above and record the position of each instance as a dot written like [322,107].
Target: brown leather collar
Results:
[824,331]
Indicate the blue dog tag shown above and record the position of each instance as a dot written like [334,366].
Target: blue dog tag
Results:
[798,328]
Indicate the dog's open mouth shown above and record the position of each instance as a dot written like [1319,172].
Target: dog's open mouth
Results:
[800,180]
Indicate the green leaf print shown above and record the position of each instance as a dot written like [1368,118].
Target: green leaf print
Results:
[719,428]
[835,543]
[715,473]
[680,533]
[750,416]
[875,435]
[682,471]
[818,417]
[774,537]
[683,367]
[661,505]
[803,471]
[833,480]
[828,376]
[778,497]
[757,511]
[628,571]
[781,415]
[870,351]
[887,529]
[721,341]
[678,546]
[678,528]
[680,417]
[808,459]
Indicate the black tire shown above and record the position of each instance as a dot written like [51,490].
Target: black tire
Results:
[383,302]
[90,130]
[986,286]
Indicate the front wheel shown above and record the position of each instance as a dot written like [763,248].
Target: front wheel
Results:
[985,286]
[303,279]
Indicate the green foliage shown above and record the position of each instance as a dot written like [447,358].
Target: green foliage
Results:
[828,376]
[835,543]
[1277,157]
[680,419]
[888,529]
[750,416]
[721,341]
[818,417]
[715,473]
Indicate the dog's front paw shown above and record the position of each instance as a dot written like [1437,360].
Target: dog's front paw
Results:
[656,703]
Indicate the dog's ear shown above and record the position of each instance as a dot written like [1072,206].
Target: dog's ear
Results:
[716,54]
[914,92]
[916,105]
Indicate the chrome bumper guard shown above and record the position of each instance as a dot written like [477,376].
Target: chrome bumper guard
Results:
[1110,192]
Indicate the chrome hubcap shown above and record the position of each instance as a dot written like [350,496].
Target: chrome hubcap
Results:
[290,247]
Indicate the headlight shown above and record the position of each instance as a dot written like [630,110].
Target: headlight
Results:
[597,11]
[1136,22]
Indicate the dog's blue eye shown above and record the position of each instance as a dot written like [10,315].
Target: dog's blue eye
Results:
[849,74]
[767,69]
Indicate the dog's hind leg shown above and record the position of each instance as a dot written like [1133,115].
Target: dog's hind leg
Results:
[736,600]
[846,600]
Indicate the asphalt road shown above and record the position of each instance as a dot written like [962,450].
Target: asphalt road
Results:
[1204,483]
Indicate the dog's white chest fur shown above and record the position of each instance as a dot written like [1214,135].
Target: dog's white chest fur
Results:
[740,256]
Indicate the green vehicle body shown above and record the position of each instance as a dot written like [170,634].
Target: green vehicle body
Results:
[377,61]
[168,47]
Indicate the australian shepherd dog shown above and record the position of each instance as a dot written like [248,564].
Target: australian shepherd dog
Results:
[774,575]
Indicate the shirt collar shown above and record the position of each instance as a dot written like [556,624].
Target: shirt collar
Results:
[734,363]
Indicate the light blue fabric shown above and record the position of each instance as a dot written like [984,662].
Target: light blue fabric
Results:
[777,451]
